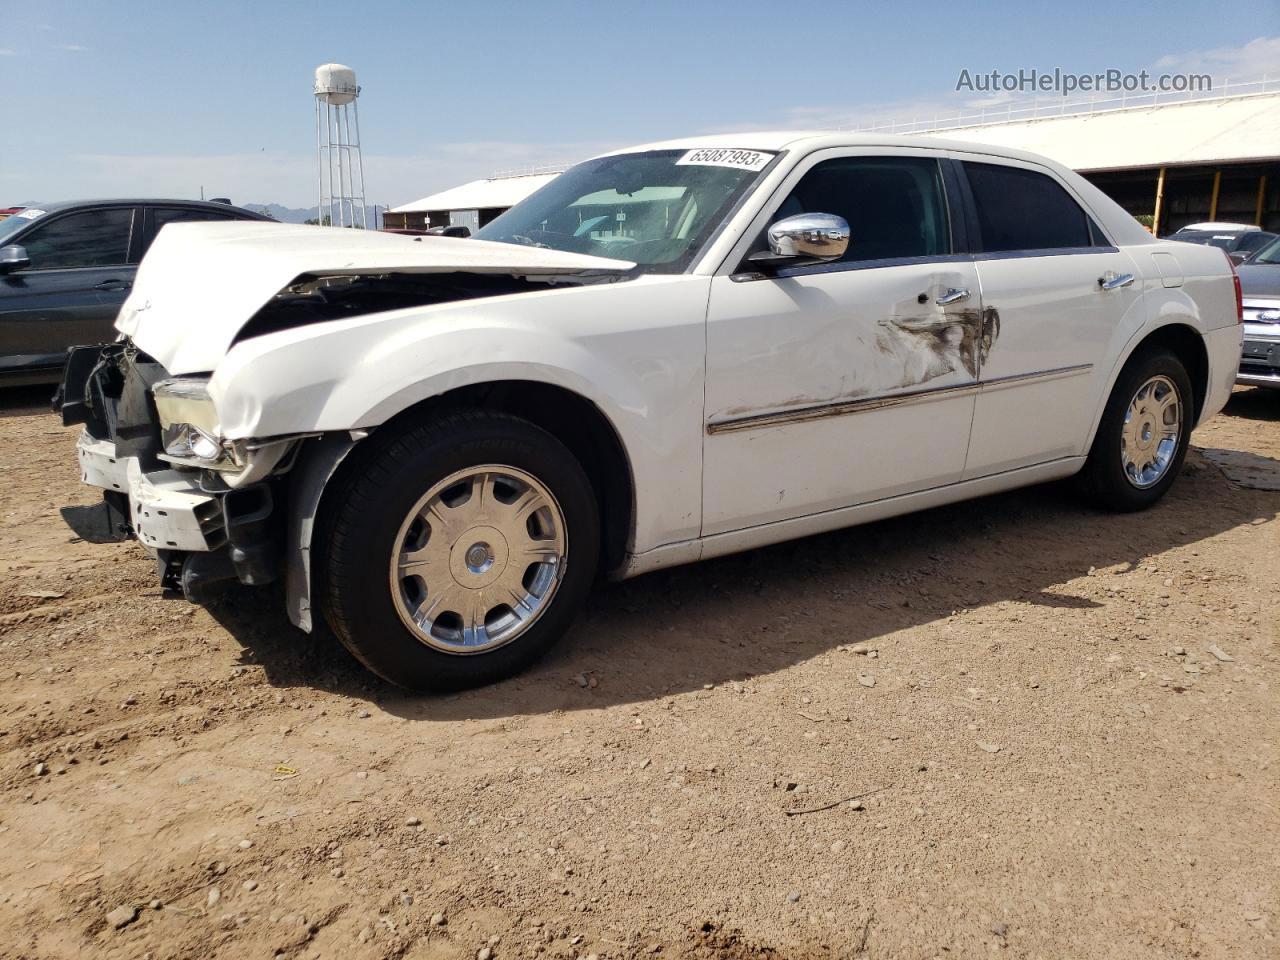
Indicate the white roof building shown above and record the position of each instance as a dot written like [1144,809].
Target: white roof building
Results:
[1177,158]
[1221,130]
[480,194]
[471,205]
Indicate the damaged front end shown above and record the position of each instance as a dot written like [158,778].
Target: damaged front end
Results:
[206,508]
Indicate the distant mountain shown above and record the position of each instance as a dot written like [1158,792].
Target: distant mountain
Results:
[303,214]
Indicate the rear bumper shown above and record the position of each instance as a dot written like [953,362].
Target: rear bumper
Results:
[1223,348]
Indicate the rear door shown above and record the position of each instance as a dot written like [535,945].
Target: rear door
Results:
[82,265]
[1057,294]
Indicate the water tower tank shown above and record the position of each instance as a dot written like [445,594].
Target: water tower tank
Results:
[336,84]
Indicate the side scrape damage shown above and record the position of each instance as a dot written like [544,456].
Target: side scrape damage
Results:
[929,347]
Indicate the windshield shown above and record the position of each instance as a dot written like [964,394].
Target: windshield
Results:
[1268,254]
[655,208]
[11,225]
[1225,241]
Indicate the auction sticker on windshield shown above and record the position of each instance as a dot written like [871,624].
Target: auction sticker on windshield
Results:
[726,157]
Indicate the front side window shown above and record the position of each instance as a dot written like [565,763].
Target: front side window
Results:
[895,206]
[94,238]
[655,208]
[1023,210]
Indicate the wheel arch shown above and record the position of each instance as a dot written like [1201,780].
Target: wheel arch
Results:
[1185,342]
[570,417]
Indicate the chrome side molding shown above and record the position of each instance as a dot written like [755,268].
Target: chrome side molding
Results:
[841,408]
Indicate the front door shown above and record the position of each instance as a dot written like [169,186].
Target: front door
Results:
[79,276]
[841,383]
[1057,294]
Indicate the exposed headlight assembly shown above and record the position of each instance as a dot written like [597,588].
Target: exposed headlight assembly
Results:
[189,425]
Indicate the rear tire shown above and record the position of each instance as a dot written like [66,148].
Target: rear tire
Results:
[444,558]
[1143,435]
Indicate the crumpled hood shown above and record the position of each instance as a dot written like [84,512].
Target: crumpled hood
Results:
[201,282]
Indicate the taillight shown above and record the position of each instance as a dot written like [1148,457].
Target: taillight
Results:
[1235,279]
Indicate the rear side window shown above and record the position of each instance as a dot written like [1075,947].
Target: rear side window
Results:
[1023,210]
[94,238]
[895,206]
[162,215]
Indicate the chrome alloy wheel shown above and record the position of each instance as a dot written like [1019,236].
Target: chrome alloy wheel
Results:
[478,559]
[1152,428]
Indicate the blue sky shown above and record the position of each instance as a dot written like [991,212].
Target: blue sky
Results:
[162,98]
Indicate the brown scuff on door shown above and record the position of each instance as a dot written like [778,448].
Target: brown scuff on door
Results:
[932,346]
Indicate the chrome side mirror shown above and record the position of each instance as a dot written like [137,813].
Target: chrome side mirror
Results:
[13,257]
[815,236]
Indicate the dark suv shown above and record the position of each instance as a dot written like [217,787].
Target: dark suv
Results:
[65,268]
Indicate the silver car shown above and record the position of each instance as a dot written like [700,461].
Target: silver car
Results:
[1260,284]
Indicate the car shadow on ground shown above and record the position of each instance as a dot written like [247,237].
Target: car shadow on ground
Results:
[26,401]
[1256,403]
[748,615]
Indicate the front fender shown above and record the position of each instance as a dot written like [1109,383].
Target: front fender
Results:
[634,350]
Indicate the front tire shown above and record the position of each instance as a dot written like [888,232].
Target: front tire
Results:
[458,551]
[1142,438]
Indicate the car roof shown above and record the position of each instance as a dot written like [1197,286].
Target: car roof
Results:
[1211,226]
[135,201]
[817,139]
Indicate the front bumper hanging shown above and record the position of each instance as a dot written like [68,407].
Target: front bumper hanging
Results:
[201,533]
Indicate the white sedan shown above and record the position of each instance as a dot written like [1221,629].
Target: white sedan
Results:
[668,353]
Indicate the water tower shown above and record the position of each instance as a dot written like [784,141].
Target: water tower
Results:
[338,144]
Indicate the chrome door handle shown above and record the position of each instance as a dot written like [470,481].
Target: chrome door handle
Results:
[1111,281]
[114,285]
[953,296]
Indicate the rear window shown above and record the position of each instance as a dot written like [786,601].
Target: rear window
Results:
[1023,210]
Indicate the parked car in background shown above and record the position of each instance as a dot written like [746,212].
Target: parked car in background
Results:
[1260,288]
[1239,240]
[666,354]
[65,269]
[7,212]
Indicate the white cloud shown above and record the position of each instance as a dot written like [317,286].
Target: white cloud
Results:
[1253,59]
[920,111]
[71,47]
[8,52]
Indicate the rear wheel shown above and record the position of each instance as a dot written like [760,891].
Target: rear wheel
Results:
[1143,435]
[447,560]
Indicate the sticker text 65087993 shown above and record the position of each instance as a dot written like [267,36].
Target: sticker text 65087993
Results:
[726,157]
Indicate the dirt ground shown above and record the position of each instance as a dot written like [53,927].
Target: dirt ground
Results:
[1065,735]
